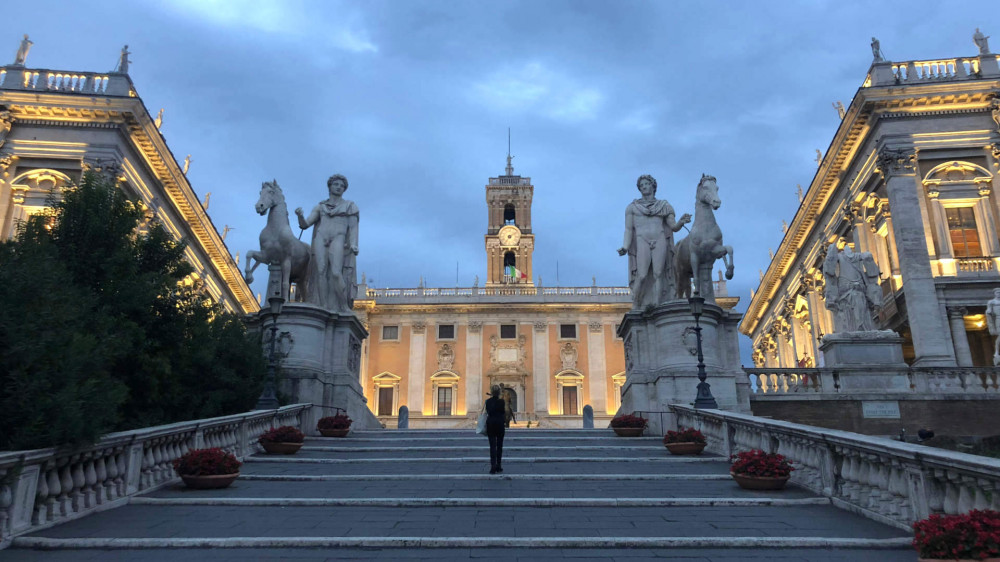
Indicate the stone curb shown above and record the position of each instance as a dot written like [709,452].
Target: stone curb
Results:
[481,502]
[46,543]
[506,460]
[369,449]
[378,477]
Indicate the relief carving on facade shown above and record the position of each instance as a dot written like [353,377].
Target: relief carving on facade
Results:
[541,326]
[475,326]
[446,358]
[568,356]
[896,161]
[508,357]
[6,122]
[419,327]
[596,327]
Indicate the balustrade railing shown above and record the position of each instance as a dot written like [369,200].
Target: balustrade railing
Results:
[975,265]
[512,289]
[43,487]
[890,481]
[766,382]
[785,381]
[44,80]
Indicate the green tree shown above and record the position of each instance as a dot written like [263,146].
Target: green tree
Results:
[145,343]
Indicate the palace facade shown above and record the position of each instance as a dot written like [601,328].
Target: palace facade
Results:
[910,176]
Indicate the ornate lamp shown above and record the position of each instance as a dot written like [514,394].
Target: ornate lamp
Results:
[704,398]
[268,399]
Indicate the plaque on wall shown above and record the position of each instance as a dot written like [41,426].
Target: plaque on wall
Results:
[880,409]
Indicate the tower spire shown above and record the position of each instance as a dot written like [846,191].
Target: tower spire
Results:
[510,168]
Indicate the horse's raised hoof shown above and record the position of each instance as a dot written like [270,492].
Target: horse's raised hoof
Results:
[249,278]
[729,272]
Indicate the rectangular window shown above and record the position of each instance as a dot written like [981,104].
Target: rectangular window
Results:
[508,331]
[446,331]
[567,331]
[963,231]
[569,400]
[385,400]
[444,401]
[390,333]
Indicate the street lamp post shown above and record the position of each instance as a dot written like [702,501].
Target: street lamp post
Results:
[704,399]
[268,399]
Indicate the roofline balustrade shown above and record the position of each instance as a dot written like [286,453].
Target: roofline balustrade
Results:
[776,383]
[15,77]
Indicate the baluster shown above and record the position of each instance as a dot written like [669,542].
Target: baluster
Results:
[101,474]
[42,506]
[981,485]
[89,480]
[122,485]
[147,466]
[6,500]
[850,475]
[951,492]
[966,497]
[66,488]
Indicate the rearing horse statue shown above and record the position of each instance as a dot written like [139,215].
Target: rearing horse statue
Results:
[695,254]
[277,243]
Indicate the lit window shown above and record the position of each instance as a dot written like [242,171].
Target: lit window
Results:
[963,231]
[390,333]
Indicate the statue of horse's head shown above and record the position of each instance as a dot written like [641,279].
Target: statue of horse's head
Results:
[270,195]
[708,192]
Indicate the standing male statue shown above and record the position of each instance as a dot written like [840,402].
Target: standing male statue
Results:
[123,60]
[981,41]
[877,51]
[333,280]
[649,242]
[22,51]
[852,289]
[993,324]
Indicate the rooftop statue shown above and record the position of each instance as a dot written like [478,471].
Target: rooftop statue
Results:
[332,269]
[993,323]
[877,51]
[852,289]
[696,254]
[22,51]
[123,61]
[981,41]
[278,245]
[649,243]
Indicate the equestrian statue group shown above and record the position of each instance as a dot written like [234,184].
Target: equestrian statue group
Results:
[659,270]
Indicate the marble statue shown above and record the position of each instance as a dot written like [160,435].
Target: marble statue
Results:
[649,243]
[981,41]
[159,119]
[123,60]
[993,324]
[278,245]
[208,199]
[819,157]
[798,190]
[841,112]
[6,123]
[332,269]
[877,51]
[852,289]
[696,254]
[225,231]
[187,164]
[22,51]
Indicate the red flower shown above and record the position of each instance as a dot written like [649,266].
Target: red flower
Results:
[206,462]
[340,421]
[689,435]
[628,420]
[759,463]
[283,434]
[974,535]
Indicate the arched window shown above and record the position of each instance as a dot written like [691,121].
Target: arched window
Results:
[30,193]
[569,389]
[959,193]
[444,385]
[508,214]
[386,394]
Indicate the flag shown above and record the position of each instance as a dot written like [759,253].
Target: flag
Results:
[515,273]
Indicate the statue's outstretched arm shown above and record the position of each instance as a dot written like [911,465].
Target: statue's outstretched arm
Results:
[306,222]
[627,244]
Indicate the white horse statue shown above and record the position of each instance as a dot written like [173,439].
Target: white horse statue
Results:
[277,243]
[695,254]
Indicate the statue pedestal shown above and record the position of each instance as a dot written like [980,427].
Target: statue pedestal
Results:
[866,360]
[661,361]
[321,360]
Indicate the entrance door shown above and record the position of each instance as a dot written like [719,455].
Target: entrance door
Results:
[385,400]
[569,400]
[444,401]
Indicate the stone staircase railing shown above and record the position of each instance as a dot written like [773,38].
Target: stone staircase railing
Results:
[889,481]
[768,382]
[43,487]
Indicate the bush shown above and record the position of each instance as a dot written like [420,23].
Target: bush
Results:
[759,463]
[689,435]
[628,420]
[206,462]
[283,434]
[339,421]
[974,536]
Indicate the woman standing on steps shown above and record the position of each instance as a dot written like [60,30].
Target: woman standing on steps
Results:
[495,417]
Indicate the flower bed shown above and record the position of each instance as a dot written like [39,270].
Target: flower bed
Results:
[205,469]
[971,536]
[629,421]
[757,470]
[688,435]
[283,434]
[334,426]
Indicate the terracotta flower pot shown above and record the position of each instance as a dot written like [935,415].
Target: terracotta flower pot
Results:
[760,482]
[277,448]
[990,559]
[628,431]
[210,481]
[335,432]
[689,448]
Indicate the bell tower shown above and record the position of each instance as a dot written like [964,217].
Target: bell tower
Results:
[509,241]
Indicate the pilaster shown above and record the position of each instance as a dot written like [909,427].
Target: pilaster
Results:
[597,367]
[956,317]
[474,366]
[417,367]
[540,367]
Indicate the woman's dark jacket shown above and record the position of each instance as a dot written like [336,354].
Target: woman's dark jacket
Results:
[495,409]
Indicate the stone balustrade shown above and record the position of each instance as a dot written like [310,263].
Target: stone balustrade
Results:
[65,81]
[930,71]
[616,294]
[766,382]
[43,487]
[890,481]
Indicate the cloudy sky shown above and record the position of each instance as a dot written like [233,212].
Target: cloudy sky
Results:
[411,100]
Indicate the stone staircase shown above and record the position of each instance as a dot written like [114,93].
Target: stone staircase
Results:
[428,494]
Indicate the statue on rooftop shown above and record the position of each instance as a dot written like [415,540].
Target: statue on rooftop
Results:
[333,280]
[841,112]
[993,323]
[650,225]
[877,51]
[187,164]
[123,60]
[22,51]
[852,289]
[981,41]
[159,119]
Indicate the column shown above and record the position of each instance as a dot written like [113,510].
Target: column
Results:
[956,317]
[474,367]
[417,368]
[597,368]
[923,310]
[540,367]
